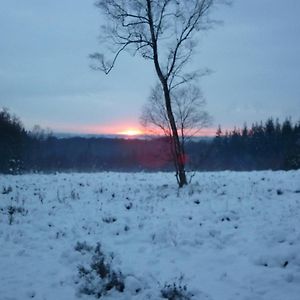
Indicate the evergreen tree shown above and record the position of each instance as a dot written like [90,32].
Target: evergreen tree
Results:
[12,142]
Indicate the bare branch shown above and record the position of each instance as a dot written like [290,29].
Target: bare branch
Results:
[201,7]
[188,108]
[105,67]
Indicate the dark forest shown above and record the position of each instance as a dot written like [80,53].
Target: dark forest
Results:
[267,145]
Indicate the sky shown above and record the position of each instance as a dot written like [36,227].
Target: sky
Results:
[45,77]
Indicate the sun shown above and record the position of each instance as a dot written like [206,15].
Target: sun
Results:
[131,132]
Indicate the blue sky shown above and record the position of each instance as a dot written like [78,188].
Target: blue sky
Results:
[45,77]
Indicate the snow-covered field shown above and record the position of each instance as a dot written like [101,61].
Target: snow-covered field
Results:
[226,236]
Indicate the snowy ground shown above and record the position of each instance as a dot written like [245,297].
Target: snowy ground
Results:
[226,236]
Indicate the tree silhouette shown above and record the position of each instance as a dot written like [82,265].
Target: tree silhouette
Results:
[163,32]
[12,142]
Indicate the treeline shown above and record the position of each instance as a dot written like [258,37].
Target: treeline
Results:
[96,154]
[13,142]
[39,151]
[271,145]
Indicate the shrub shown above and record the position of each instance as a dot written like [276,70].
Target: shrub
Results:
[99,277]
[175,292]
[13,210]
[6,190]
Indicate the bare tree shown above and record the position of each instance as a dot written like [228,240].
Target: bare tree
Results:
[189,114]
[163,31]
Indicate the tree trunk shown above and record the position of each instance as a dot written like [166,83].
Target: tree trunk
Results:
[179,158]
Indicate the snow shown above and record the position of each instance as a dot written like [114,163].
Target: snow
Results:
[228,235]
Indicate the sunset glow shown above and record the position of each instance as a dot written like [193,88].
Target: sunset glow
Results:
[128,129]
[131,132]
